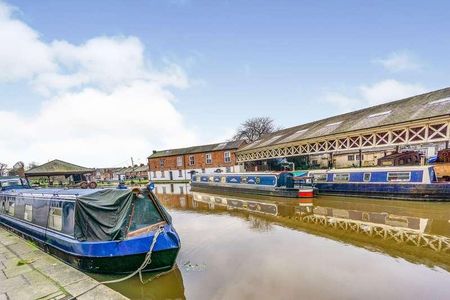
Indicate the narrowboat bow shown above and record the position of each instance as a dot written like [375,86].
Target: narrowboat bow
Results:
[99,230]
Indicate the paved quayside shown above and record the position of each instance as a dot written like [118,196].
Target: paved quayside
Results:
[26,272]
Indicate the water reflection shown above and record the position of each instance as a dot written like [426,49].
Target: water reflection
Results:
[236,247]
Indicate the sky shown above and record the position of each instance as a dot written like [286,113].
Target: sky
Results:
[98,82]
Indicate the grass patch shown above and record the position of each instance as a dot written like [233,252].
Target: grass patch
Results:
[22,262]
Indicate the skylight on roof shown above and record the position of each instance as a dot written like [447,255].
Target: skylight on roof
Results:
[380,114]
[221,145]
[440,100]
[334,124]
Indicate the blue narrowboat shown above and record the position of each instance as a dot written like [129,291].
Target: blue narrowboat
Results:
[404,182]
[282,184]
[98,230]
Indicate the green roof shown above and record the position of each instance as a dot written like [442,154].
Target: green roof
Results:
[424,106]
[57,167]
[197,149]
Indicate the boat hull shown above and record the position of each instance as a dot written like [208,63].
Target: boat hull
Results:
[417,192]
[280,192]
[98,260]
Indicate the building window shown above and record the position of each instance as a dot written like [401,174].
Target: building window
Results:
[203,170]
[399,176]
[55,218]
[208,158]
[228,170]
[351,157]
[227,156]
[366,177]
[161,162]
[28,214]
[181,190]
[341,177]
[154,174]
[162,174]
[11,208]
[179,161]
[191,160]
[180,173]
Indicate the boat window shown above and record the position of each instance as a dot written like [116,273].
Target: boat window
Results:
[55,218]
[28,214]
[11,207]
[320,177]
[366,177]
[341,177]
[144,214]
[399,176]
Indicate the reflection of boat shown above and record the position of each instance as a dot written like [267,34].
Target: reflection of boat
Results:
[169,286]
[405,182]
[413,230]
[105,231]
[282,184]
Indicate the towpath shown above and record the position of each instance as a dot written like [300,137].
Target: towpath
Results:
[26,272]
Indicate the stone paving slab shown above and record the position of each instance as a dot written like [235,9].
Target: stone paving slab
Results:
[29,273]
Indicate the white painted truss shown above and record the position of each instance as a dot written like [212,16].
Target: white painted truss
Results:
[411,134]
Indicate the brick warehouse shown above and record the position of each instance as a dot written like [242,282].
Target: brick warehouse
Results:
[180,164]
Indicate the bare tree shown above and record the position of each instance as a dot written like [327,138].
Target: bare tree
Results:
[254,128]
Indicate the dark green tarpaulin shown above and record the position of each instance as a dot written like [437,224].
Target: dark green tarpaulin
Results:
[103,215]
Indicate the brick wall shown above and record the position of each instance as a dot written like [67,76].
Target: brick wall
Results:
[170,162]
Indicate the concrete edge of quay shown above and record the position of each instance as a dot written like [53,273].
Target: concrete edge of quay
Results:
[27,272]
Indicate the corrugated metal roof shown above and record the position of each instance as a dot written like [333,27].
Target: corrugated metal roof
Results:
[432,104]
[57,167]
[197,149]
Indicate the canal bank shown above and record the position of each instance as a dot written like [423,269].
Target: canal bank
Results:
[26,272]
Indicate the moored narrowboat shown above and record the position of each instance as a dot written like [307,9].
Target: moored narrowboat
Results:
[282,184]
[98,230]
[403,182]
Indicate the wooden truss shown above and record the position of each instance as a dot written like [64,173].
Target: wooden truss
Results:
[417,133]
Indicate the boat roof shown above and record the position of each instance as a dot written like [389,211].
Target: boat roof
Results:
[244,174]
[372,169]
[8,178]
[69,193]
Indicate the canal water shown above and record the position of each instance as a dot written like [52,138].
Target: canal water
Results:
[241,247]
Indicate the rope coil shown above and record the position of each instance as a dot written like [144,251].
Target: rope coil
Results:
[147,260]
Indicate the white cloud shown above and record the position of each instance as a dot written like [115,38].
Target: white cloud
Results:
[370,95]
[399,61]
[104,100]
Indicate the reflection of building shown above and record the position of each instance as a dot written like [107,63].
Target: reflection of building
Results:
[180,164]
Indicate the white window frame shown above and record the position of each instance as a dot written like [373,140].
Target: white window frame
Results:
[335,175]
[208,158]
[180,173]
[163,175]
[191,160]
[161,162]
[28,213]
[12,205]
[364,177]
[227,156]
[320,177]
[52,215]
[179,161]
[398,180]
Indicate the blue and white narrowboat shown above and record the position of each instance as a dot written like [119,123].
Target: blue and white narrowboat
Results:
[282,184]
[404,182]
[98,230]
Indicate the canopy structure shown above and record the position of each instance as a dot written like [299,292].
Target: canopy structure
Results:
[57,168]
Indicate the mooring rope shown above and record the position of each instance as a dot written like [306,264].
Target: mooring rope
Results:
[147,260]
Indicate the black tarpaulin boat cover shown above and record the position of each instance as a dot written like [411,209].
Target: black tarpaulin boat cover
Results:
[103,215]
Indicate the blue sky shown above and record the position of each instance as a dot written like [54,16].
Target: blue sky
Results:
[295,61]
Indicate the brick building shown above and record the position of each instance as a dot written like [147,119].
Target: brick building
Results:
[180,164]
